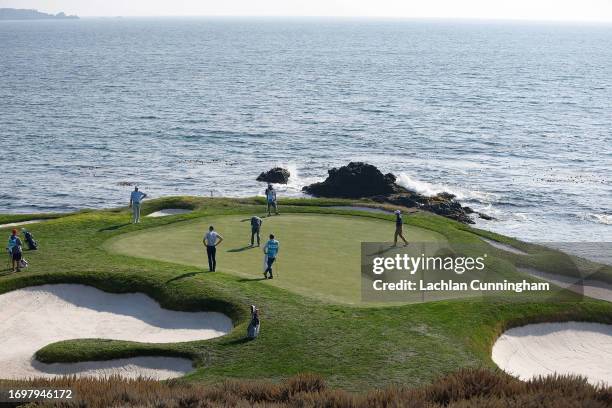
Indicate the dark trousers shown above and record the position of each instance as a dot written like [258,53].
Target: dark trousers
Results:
[211,251]
[269,268]
[254,233]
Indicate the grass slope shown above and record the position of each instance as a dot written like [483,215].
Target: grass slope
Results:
[353,348]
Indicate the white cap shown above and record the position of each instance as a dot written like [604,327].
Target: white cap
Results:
[398,212]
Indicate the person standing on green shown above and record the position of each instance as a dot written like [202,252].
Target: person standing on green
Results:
[255,228]
[271,199]
[135,199]
[211,239]
[271,250]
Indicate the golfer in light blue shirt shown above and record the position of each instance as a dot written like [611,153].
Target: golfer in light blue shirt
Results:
[135,199]
[271,251]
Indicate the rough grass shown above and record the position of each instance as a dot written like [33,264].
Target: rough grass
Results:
[349,347]
[475,388]
[10,219]
[548,259]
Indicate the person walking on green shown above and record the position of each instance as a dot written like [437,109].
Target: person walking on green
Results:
[271,199]
[212,239]
[399,228]
[135,199]
[255,228]
[271,252]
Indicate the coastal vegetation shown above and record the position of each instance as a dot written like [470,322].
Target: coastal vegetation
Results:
[467,388]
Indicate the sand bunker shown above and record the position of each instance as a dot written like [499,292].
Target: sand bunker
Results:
[504,247]
[586,287]
[564,348]
[168,211]
[34,317]
[17,224]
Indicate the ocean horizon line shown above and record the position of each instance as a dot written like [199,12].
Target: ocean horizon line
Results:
[423,19]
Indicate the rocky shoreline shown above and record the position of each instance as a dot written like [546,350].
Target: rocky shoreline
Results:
[362,180]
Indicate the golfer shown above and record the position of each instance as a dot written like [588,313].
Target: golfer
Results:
[15,251]
[135,199]
[211,239]
[271,199]
[399,228]
[255,228]
[271,251]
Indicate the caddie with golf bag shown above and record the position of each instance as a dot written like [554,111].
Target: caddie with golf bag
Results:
[15,250]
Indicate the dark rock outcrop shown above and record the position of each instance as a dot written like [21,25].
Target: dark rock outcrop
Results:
[362,180]
[354,181]
[485,216]
[277,175]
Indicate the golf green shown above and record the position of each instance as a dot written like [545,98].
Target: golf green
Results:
[319,254]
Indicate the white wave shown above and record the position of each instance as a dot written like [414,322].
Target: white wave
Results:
[293,188]
[431,189]
[605,219]
[521,216]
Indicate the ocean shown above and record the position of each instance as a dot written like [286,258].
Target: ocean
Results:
[513,118]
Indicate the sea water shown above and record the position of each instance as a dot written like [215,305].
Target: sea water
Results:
[513,118]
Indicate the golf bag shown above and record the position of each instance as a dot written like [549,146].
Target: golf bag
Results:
[23,263]
[29,238]
[253,329]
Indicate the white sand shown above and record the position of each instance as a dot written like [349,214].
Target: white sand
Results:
[168,211]
[565,348]
[504,247]
[34,317]
[586,287]
[17,224]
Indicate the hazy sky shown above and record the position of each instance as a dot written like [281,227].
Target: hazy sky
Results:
[589,10]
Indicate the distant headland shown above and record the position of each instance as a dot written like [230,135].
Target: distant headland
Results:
[24,14]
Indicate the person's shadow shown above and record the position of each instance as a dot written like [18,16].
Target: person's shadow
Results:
[244,248]
[114,227]
[241,340]
[250,279]
[382,250]
[7,271]
[184,276]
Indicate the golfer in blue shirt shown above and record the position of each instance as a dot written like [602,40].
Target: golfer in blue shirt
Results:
[135,199]
[271,251]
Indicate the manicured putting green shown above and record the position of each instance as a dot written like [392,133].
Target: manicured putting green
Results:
[320,255]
